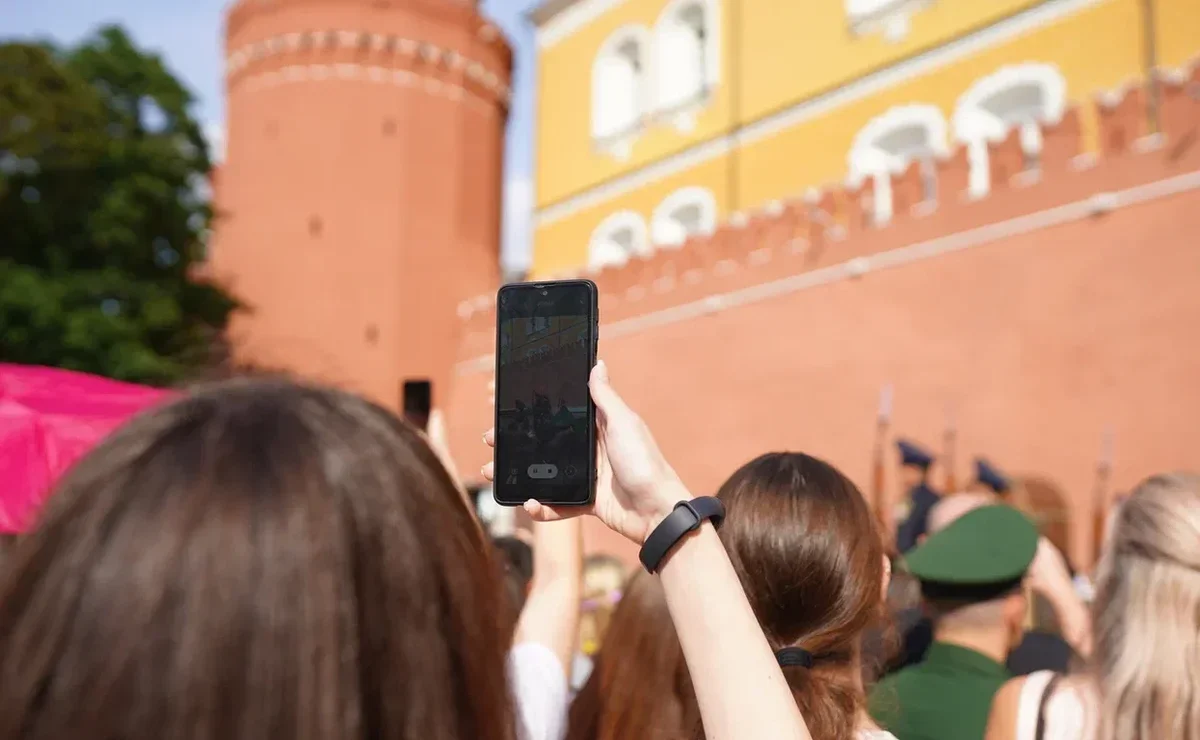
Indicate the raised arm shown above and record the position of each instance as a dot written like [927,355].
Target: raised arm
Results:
[550,616]
[740,688]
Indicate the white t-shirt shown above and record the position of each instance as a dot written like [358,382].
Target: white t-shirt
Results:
[540,692]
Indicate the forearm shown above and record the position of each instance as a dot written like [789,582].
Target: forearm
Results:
[739,686]
[551,613]
[1074,619]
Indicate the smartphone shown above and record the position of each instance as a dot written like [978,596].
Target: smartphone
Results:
[546,339]
[418,401]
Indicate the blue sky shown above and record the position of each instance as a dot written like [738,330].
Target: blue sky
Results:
[187,33]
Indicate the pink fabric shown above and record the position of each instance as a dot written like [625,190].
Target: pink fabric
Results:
[50,418]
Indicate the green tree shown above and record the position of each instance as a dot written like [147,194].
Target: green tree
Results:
[103,214]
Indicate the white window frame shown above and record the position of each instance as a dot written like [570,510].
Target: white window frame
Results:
[975,126]
[892,17]
[619,144]
[684,117]
[867,159]
[620,220]
[660,222]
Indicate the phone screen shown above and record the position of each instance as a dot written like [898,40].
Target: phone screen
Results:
[545,421]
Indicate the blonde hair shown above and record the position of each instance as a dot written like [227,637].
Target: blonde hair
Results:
[1147,615]
[603,577]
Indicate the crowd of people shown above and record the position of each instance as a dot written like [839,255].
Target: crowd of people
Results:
[262,558]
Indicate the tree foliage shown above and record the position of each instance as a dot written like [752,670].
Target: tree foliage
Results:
[103,214]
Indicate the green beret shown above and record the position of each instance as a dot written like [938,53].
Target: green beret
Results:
[979,556]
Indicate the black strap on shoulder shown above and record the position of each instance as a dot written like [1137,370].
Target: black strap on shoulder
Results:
[1040,733]
[686,517]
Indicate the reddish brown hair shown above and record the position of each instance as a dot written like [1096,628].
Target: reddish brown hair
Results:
[255,560]
[807,550]
[639,688]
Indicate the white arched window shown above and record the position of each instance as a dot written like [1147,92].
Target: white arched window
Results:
[889,16]
[683,214]
[1027,96]
[619,85]
[686,54]
[892,141]
[617,238]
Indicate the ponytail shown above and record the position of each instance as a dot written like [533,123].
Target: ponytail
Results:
[828,696]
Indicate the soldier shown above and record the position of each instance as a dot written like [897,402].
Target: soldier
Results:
[971,576]
[914,476]
[989,477]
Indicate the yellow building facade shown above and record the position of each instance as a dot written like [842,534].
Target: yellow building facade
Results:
[657,119]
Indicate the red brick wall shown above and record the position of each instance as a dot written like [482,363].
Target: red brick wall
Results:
[1062,305]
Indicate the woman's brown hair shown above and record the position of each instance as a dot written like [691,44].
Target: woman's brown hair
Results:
[807,551]
[639,687]
[255,560]
[806,547]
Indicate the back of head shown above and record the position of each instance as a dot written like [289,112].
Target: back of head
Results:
[639,688]
[804,543]
[255,560]
[603,576]
[1147,614]
[516,564]
[948,510]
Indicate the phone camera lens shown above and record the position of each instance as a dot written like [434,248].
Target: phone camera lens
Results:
[545,292]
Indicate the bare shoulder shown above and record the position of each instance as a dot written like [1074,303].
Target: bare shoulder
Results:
[1009,694]
[1002,722]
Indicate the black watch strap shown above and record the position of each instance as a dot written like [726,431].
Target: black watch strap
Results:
[686,517]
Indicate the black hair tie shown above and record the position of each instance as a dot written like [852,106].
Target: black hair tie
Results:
[794,656]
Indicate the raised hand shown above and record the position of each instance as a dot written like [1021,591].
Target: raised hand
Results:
[635,486]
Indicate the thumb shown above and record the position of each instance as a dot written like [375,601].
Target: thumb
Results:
[603,395]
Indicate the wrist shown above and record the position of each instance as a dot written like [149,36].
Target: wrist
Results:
[666,495]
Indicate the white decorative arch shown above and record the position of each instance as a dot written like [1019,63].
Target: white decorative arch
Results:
[617,238]
[620,89]
[890,16]
[685,213]
[1026,95]
[890,142]
[687,55]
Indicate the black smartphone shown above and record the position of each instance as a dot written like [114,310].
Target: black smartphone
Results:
[418,402]
[546,338]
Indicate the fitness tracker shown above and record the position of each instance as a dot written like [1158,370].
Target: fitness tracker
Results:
[686,517]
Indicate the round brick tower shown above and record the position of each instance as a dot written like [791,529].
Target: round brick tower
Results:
[359,201]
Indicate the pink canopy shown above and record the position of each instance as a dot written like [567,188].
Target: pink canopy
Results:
[49,418]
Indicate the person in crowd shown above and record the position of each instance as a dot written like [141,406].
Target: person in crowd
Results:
[643,660]
[516,563]
[259,559]
[988,477]
[807,550]
[1048,579]
[544,645]
[914,477]
[971,575]
[603,579]
[1142,681]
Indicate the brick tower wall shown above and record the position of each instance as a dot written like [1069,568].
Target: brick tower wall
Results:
[359,201]
[1059,308]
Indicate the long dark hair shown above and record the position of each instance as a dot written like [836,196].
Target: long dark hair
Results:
[807,551]
[255,560]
